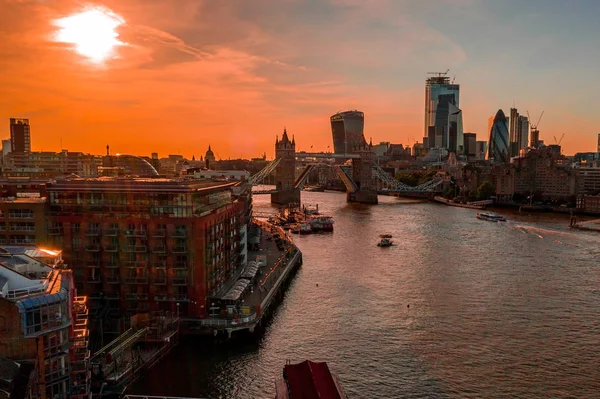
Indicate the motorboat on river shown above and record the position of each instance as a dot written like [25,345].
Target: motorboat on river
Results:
[385,242]
[490,217]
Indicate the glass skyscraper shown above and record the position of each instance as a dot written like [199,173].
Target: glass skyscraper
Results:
[498,147]
[442,109]
[347,130]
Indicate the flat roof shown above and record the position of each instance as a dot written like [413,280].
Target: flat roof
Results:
[23,200]
[120,184]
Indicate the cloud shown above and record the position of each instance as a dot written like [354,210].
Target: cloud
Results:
[231,73]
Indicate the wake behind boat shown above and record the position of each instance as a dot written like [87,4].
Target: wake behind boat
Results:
[490,217]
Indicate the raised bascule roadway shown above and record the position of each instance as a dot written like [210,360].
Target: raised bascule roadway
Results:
[363,178]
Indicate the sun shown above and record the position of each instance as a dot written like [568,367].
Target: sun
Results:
[92,32]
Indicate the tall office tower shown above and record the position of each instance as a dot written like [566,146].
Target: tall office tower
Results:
[470,145]
[523,135]
[498,148]
[534,138]
[481,149]
[598,142]
[347,130]
[20,137]
[438,91]
[514,132]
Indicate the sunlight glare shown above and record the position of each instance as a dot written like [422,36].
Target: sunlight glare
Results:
[93,32]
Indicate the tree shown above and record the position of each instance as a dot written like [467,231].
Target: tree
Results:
[485,190]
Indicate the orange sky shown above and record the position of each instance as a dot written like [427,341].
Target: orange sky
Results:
[234,73]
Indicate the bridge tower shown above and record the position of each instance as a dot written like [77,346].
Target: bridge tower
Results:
[285,173]
[362,174]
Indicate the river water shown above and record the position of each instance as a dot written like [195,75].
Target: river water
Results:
[460,308]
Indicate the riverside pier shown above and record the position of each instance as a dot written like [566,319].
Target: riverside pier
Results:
[252,297]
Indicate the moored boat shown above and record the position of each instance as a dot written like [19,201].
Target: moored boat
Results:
[321,223]
[490,217]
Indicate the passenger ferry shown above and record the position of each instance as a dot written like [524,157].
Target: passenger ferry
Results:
[490,217]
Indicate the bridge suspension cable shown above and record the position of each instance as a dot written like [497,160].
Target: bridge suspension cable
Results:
[264,172]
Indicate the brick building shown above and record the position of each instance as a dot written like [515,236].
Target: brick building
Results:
[44,327]
[139,245]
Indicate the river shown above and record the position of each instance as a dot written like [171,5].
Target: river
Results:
[460,308]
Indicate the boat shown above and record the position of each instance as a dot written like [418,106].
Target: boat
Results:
[286,226]
[308,380]
[301,228]
[385,242]
[321,223]
[491,217]
[308,210]
[385,236]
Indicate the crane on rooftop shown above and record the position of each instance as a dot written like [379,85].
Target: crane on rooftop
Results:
[559,140]
[439,74]
[535,127]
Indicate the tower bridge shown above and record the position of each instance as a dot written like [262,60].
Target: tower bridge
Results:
[363,178]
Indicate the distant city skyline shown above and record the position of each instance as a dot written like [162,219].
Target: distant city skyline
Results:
[234,74]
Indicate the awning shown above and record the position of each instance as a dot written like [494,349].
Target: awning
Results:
[236,290]
[250,270]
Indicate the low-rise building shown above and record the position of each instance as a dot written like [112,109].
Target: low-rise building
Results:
[44,324]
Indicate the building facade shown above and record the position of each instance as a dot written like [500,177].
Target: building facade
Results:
[498,147]
[347,129]
[20,135]
[44,325]
[546,174]
[137,245]
[23,221]
[523,134]
[440,93]
[50,164]
[470,145]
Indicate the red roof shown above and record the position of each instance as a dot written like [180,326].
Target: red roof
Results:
[310,380]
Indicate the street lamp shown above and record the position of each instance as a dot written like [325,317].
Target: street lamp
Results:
[177,309]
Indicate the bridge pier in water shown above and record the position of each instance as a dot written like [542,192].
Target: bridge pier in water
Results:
[362,175]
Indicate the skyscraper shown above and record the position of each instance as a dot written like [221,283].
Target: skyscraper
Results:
[514,132]
[470,145]
[598,142]
[347,130]
[534,138]
[20,137]
[439,93]
[523,135]
[498,148]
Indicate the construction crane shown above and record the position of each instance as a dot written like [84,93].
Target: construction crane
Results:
[439,74]
[535,127]
[560,140]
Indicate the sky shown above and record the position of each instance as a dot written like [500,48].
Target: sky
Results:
[234,73]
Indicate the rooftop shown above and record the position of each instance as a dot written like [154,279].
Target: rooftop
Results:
[23,200]
[118,184]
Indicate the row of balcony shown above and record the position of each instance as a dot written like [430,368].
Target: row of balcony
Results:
[176,281]
[133,249]
[127,233]
[11,215]
[159,297]
[135,265]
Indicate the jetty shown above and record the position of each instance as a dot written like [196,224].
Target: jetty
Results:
[470,205]
[252,298]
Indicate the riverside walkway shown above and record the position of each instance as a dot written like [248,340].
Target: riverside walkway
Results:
[277,262]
